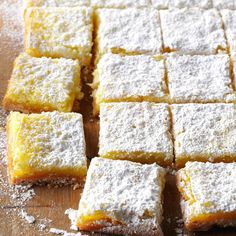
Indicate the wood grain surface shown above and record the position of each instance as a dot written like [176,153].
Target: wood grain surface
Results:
[52,203]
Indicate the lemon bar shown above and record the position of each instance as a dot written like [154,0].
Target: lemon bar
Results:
[129,78]
[134,131]
[192,31]
[229,21]
[59,32]
[165,4]
[56,3]
[208,194]
[224,4]
[128,31]
[45,147]
[43,84]
[122,197]
[204,132]
[120,3]
[201,79]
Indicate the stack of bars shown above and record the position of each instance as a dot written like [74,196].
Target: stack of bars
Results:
[165,90]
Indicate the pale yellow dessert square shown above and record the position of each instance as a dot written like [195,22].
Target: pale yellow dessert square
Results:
[120,3]
[56,3]
[44,147]
[192,31]
[208,194]
[204,132]
[136,131]
[122,197]
[128,31]
[59,32]
[200,79]
[43,84]
[129,78]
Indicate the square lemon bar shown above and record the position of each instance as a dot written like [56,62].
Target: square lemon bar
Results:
[113,200]
[56,3]
[129,78]
[202,79]
[43,84]
[204,132]
[135,131]
[120,3]
[208,194]
[164,4]
[224,4]
[192,31]
[59,32]
[45,147]
[128,31]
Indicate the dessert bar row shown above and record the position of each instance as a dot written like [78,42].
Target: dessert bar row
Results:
[139,132]
[119,197]
[159,4]
[68,32]
[45,84]
[125,197]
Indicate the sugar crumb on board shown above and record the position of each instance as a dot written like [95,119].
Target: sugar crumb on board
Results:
[28,218]
[65,233]
[11,27]
[3,118]
[3,144]
[72,214]
[179,230]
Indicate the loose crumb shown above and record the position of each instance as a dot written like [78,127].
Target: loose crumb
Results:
[180,228]
[65,233]
[76,186]
[30,219]
[72,214]
[42,227]
[171,171]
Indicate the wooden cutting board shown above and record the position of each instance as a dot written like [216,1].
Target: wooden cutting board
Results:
[49,205]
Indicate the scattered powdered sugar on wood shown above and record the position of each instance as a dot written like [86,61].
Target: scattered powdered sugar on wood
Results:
[3,117]
[180,227]
[72,214]
[18,195]
[42,227]
[30,219]
[11,18]
[11,36]
[3,159]
[171,171]
[65,233]
[43,224]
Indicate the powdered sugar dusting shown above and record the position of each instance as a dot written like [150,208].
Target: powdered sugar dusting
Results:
[17,195]
[30,219]
[11,36]
[11,27]
[72,214]
[65,233]
[115,188]
[3,159]
[3,117]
